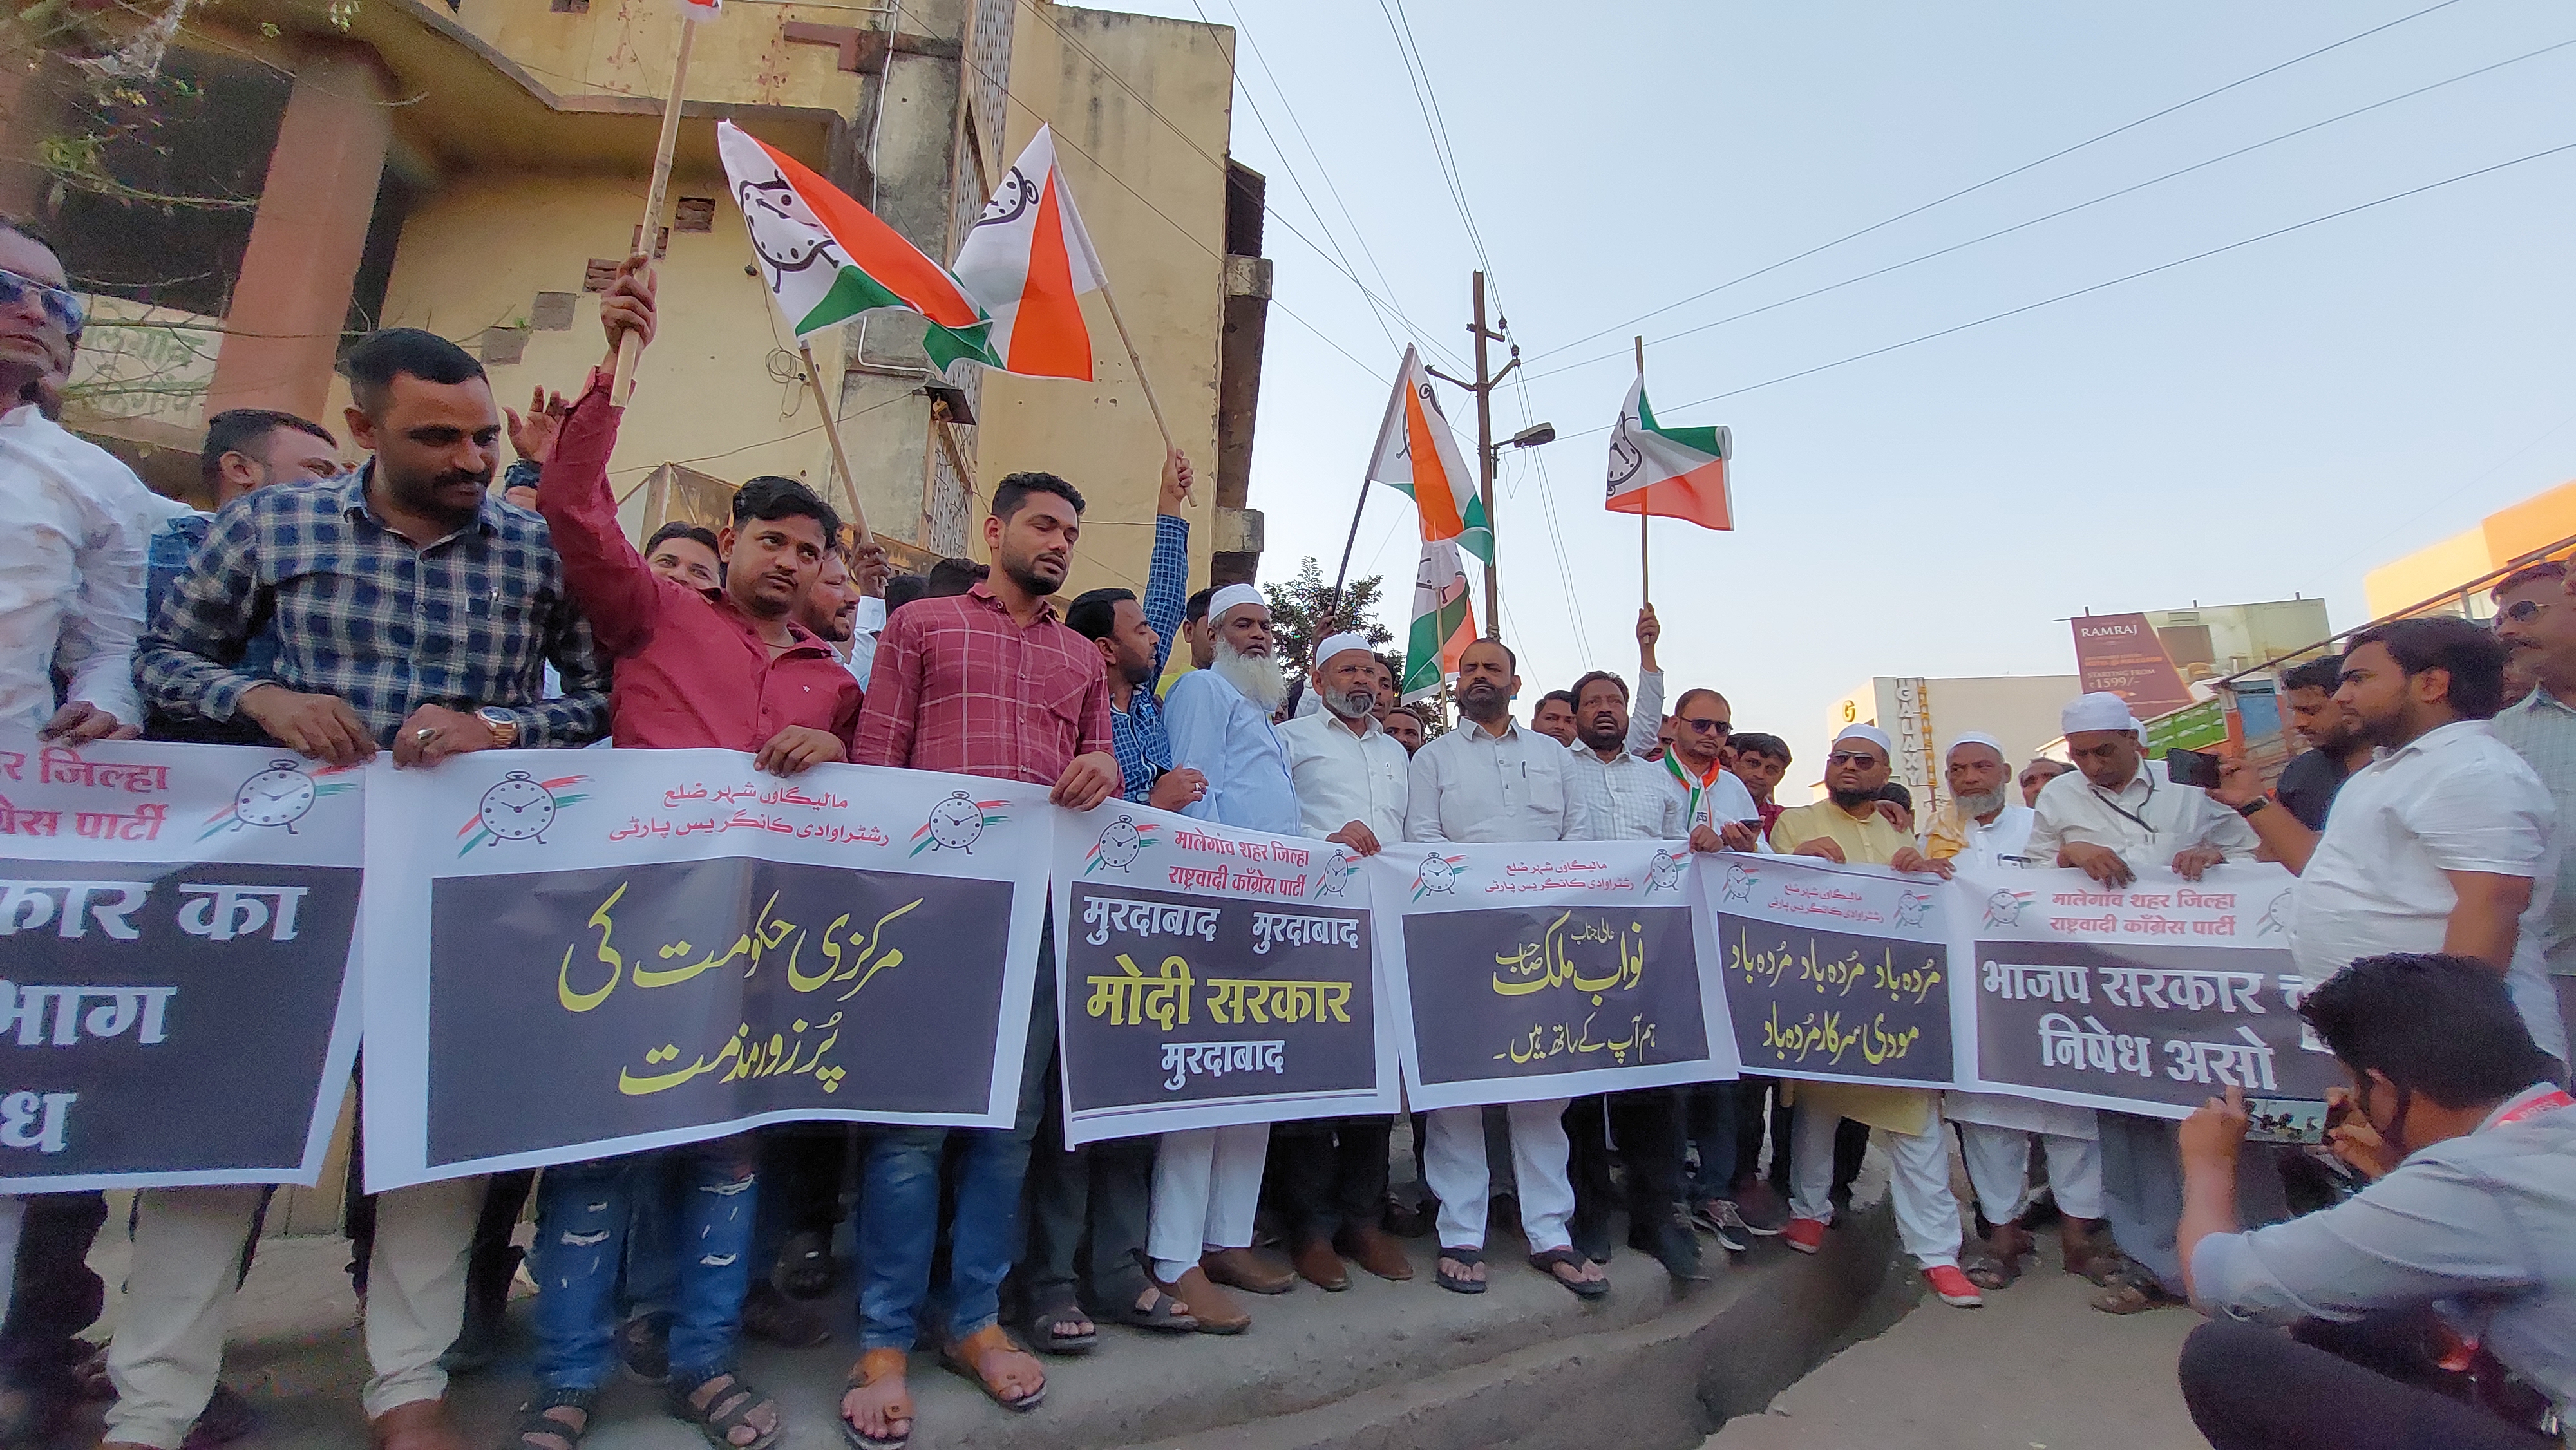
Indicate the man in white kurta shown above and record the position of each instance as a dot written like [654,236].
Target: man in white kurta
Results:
[1982,831]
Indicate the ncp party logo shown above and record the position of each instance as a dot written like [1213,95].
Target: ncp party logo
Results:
[279,796]
[518,807]
[1438,875]
[955,824]
[1336,874]
[1664,872]
[1120,843]
[2004,908]
[1739,883]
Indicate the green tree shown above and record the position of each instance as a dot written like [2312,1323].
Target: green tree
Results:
[1304,612]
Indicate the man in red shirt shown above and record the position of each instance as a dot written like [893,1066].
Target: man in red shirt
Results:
[725,668]
[989,682]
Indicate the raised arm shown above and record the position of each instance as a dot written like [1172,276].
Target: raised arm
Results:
[1167,581]
[617,592]
[1646,712]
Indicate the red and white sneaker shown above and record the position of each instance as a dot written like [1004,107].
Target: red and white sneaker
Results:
[1953,1287]
[1806,1235]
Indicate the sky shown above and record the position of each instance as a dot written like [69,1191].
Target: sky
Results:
[2272,420]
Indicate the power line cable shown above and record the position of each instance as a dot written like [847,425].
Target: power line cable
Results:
[2115,281]
[2005,175]
[2062,211]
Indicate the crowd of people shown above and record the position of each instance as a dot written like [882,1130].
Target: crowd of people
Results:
[427,605]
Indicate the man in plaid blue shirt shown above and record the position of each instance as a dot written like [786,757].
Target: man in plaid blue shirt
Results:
[1135,642]
[411,610]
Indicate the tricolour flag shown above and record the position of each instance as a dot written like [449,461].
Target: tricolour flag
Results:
[1444,623]
[1417,453]
[1028,260]
[1672,473]
[828,259]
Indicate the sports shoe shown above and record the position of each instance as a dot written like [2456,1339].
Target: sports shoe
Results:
[1950,1284]
[1763,1211]
[1720,1220]
[1806,1235]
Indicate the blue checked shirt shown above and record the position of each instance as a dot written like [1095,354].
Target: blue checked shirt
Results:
[1137,733]
[468,621]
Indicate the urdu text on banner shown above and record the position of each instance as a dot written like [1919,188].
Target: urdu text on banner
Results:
[1546,970]
[179,1006]
[1211,976]
[664,946]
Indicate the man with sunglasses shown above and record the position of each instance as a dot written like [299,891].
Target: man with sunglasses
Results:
[73,522]
[2537,622]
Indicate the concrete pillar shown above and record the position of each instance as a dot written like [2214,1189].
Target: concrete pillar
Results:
[307,238]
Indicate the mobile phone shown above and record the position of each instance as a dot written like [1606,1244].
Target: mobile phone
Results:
[2285,1120]
[2192,767]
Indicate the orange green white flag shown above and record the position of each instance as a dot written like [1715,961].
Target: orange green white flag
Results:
[1444,622]
[1671,473]
[1029,261]
[1417,453]
[827,259]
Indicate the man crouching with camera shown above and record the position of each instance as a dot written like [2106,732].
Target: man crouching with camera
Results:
[2435,1307]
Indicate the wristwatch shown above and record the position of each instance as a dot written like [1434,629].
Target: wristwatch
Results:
[2248,809]
[505,730]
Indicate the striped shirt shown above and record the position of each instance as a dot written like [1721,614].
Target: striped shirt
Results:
[466,621]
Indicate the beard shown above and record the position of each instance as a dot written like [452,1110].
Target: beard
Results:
[1137,672]
[1350,704]
[1259,677]
[1851,800]
[1976,807]
[420,493]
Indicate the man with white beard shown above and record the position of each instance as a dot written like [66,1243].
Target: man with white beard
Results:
[1489,780]
[1983,831]
[1207,1181]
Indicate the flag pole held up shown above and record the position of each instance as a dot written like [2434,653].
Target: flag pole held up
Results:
[840,455]
[1137,362]
[1645,584]
[622,385]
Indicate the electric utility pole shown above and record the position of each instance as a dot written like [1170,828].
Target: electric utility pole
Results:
[1483,388]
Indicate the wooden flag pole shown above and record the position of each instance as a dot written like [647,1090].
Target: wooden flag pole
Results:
[622,385]
[840,455]
[1645,586]
[1139,364]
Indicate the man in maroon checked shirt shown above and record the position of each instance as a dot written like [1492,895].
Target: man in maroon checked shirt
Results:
[728,669]
[989,682]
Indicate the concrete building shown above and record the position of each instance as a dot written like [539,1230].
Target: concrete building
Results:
[1925,716]
[2447,577]
[476,167]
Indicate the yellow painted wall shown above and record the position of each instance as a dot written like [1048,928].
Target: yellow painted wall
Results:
[2503,536]
[624,47]
[475,254]
[1170,282]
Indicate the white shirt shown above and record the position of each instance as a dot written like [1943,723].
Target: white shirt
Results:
[1626,799]
[1217,730]
[2008,835]
[2453,799]
[2148,822]
[1342,777]
[1472,786]
[863,643]
[73,526]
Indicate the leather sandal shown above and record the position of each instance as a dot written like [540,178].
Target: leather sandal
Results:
[875,1367]
[727,1410]
[973,1356]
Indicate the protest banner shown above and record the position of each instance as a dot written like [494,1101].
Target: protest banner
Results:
[1835,973]
[2150,998]
[1211,976]
[1546,970]
[575,954]
[175,925]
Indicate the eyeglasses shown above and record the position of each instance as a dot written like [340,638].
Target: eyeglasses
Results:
[2522,611]
[1709,727]
[1851,757]
[60,303]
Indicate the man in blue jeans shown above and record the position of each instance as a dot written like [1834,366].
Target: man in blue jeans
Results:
[989,682]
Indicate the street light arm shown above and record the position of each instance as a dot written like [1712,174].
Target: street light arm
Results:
[1453,382]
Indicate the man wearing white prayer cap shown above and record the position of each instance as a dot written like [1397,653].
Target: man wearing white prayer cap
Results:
[1207,1181]
[2116,814]
[1985,829]
[1353,783]
[1846,827]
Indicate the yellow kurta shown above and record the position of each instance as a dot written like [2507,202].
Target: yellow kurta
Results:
[1867,841]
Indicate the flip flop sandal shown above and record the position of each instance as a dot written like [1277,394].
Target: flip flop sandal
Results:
[2134,1296]
[1166,1317]
[1547,1263]
[533,1419]
[1055,1310]
[1989,1272]
[861,1377]
[805,1268]
[728,1411]
[966,1358]
[1454,1284]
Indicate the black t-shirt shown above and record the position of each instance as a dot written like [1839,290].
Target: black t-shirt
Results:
[2307,787]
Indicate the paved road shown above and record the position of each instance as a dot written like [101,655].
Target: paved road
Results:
[2036,1368]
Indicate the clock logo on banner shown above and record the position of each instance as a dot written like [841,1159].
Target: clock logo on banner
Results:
[1664,872]
[277,796]
[1438,875]
[1739,884]
[518,807]
[956,824]
[2004,908]
[1338,870]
